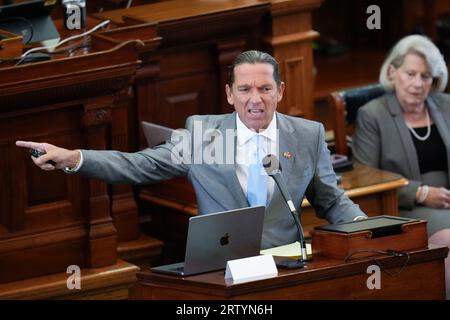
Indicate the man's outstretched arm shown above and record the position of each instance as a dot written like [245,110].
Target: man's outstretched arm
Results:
[143,167]
[53,157]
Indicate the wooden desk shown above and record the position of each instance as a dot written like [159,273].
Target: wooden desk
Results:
[374,190]
[111,282]
[422,278]
[174,201]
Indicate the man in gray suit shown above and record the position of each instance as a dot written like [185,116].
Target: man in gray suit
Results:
[221,166]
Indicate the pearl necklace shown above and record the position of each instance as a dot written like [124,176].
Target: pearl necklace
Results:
[427,135]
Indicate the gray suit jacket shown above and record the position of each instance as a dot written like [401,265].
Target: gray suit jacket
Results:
[307,170]
[382,139]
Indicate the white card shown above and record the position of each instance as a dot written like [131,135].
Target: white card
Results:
[252,268]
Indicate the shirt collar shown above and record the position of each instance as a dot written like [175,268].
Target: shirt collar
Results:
[244,134]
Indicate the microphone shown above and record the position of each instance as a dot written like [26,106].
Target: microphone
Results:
[273,168]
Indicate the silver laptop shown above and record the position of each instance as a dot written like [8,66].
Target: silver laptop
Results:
[156,134]
[215,238]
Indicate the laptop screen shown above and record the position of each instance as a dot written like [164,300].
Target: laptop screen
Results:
[215,238]
[156,134]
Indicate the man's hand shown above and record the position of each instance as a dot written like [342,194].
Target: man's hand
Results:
[437,198]
[62,157]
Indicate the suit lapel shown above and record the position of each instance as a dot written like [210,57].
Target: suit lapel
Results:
[441,126]
[438,119]
[286,149]
[227,169]
[403,131]
[286,152]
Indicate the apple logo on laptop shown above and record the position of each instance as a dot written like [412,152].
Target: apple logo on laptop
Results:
[224,240]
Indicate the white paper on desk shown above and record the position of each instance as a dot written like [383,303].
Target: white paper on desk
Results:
[291,250]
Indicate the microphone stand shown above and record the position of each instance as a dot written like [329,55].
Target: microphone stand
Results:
[302,261]
[272,167]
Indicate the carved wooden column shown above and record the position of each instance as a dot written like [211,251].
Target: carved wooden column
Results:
[227,52]
[125,118]
[102,233]
[289,40]
[146,91]
[124,210]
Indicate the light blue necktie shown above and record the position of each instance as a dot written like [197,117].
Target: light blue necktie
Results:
[257,179]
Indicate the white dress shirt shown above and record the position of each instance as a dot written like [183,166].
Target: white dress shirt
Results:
[246,146]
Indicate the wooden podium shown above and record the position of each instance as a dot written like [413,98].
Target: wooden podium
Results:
[341,268]
[50,220]
[323,278]
[409,236]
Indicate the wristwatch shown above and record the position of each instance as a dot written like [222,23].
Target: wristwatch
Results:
[69,170]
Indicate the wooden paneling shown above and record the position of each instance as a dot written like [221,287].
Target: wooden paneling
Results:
[294,73]
[111,282]
[186,86]
[124,115]
[5,196]
[191,63]
[40,192]
[25,255]
[51,220]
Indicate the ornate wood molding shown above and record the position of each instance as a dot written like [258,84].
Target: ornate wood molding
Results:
[52,220]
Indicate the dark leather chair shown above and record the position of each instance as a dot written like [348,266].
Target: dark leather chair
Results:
[345,105]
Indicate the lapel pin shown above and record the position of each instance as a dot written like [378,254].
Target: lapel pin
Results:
[287,155]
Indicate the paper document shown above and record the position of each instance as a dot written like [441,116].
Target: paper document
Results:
[291,250]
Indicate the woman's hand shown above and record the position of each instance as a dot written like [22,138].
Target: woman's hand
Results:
[438,198]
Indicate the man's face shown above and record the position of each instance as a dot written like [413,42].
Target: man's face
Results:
[254,94]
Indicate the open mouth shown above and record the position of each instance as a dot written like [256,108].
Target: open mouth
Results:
[256,111]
